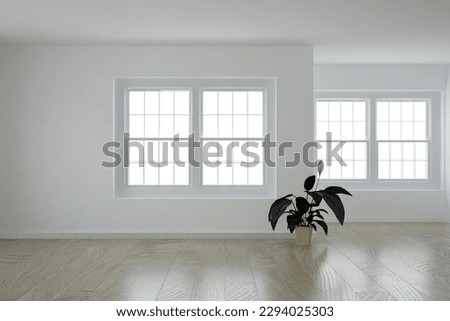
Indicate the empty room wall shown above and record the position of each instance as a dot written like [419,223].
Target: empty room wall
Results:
[395,206]
[57,112]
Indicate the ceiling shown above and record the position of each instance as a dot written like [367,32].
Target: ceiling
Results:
[341,31]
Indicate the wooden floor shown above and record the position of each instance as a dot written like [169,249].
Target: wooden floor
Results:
[355,262]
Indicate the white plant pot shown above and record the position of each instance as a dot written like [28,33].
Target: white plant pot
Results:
[303,235]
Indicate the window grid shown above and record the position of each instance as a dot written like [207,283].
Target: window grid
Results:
[141,169]
[399,168]
[231,166]
[358,117]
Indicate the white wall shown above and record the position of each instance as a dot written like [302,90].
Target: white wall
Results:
[382,206]
[56,113]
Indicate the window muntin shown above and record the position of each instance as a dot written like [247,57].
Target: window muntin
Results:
[402,139]
[346,120]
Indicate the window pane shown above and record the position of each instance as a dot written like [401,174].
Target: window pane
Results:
[181,174]
[225,126]
[335,170]
[152,152]
[347,130]
[210,99]
[239,174]
[359,111]
[238,155]
[151,175]
[348,171]
[395,111]
[136,102]
[240,115]
[136,151]
[225,174]
[166,126]
[255,126]
[182,126]
[405,160]
[383,170]
[383,151]
[408,151]
[240,126]
[255,102]
[321,130]
[166,174]
[408,170]
[407,131]
[135,174]
[406,120]
[209,175]
[360,150]
[360,170]
[225,102]
[359,130]
[396,170]
[335,129]
[256,175]
[420,130]
[347,151]
[396,151]
[182,102]
[151,126]
[382,111]
[395,130]
[322,111]
[210,126]
[334,111]
[346,111]
[240,102]
[407,111]
[152,102]
[166,102]
[421,151]
[136,126]
[420,111]
[382,130]
[421,170]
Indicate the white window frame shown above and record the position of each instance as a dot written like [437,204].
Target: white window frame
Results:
[434,126]
[195,189]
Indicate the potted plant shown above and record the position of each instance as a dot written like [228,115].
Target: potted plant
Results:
[304,214]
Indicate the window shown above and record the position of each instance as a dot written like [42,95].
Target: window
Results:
[392,139]
[233,118]
[155,116]
[346,120]
[402,139]
[165,119]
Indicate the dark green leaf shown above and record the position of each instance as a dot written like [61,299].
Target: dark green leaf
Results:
[318,215]
[309,182]
[335,204]
[320,210]
[277,209]
[316,197]
[324,226]
[337,190]
[293,221]
[302,204]
[314,227]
